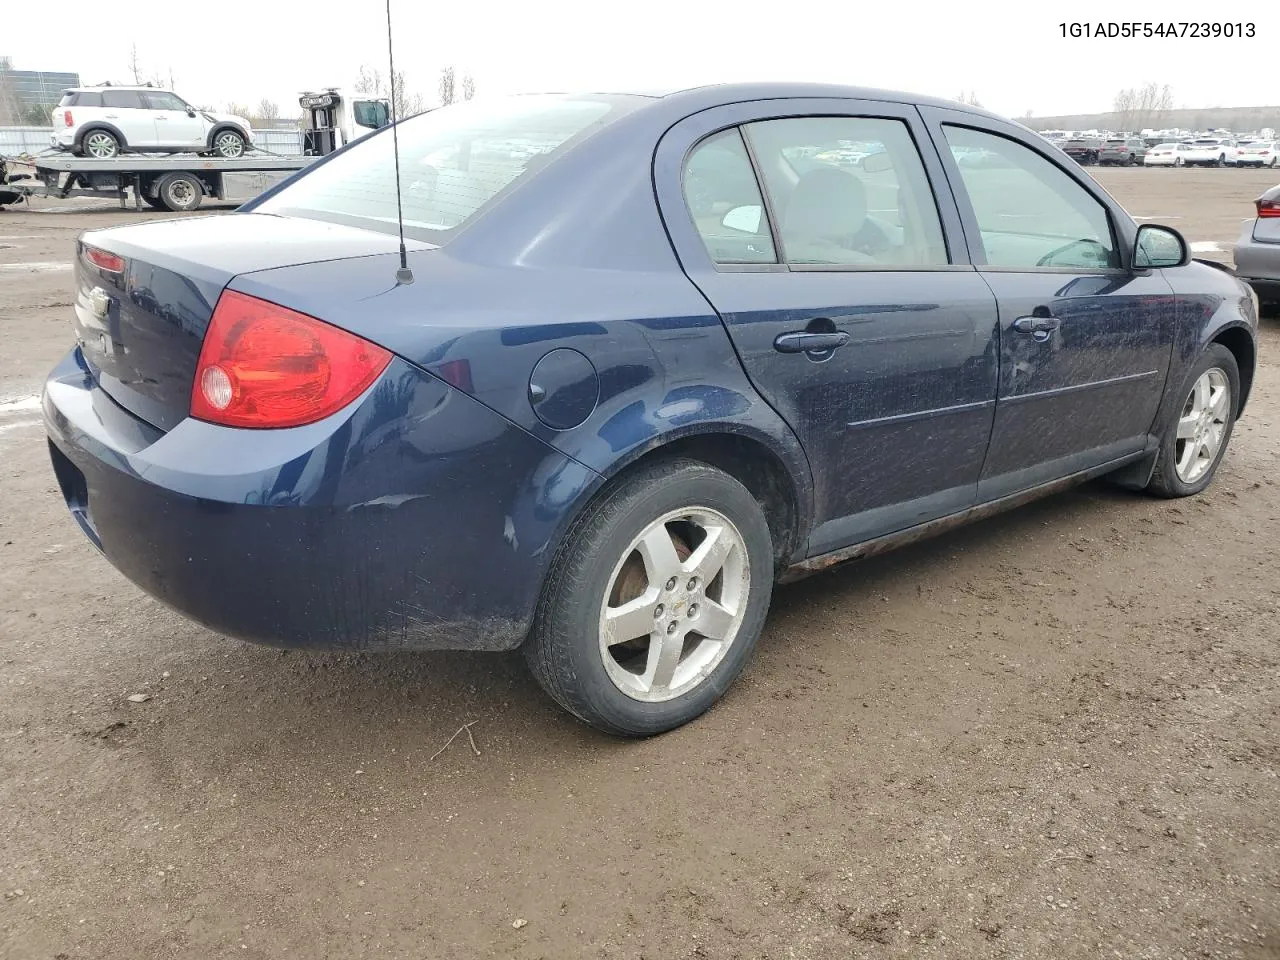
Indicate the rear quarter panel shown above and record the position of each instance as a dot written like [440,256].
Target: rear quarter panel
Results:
[576,257]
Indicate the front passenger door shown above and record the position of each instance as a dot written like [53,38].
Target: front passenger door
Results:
[175,127]
[1085,341]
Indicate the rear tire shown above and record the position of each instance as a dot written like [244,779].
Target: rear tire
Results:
[155,203]
[1196,437]
[99,145]
[674,547]
[179,192]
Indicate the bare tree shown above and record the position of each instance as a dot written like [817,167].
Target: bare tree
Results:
[405,103]
[448,92]
[1126,107]
[135,66]
[239,109]
[1142,107]
[268,111]
[468,86]
[8,96]
[369,82]
[1154,104]
[971,98]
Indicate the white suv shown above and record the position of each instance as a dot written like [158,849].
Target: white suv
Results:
[1210,152]
[101,122]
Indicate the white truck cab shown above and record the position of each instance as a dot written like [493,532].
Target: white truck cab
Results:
[333,120]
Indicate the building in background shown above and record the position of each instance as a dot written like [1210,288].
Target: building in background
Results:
[26,96]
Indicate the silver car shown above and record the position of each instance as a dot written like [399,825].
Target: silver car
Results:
[1257,253]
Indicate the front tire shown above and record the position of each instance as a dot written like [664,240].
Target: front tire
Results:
[655,601]
[1196,438]
[229,144]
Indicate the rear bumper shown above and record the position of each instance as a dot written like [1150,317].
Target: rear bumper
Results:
[415,519]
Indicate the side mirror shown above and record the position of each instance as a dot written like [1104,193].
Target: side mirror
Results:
[1158,247]
[745,219]
[191,113]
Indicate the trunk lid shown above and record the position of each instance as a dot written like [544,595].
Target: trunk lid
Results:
[140,328]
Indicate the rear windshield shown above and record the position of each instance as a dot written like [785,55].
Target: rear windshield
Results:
[453,162]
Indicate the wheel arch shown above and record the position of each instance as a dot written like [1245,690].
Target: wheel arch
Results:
[1239,341]
[782,490]
[93,125]
[223,126]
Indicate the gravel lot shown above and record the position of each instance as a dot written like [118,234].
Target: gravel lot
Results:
[1054,734]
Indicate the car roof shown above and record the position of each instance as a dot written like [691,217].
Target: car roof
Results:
[707,96]
[114,86]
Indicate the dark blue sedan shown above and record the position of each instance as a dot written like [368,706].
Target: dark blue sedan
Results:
[655,354]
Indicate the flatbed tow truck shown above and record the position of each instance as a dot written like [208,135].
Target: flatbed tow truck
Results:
[180,181]
[177,182]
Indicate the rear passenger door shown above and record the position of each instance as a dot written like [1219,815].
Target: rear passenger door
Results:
[1085,340]
[827,242]
[126,111]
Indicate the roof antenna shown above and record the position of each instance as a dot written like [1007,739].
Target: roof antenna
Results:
[404,274]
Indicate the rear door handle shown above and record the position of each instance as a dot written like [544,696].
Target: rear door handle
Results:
[1040,328]
[810,342]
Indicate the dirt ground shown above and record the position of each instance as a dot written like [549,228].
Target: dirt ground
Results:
[1053,734]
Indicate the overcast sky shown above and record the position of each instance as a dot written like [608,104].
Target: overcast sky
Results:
[1010,52]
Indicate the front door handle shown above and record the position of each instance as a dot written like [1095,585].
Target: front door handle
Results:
[810,342]
[1040,328]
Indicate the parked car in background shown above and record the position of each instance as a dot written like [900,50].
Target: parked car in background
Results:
[1083,150]
[1210,152]
[1167,155]
[1122,151]
[102,122]
[1258,153]
[1257,252]
[292,443]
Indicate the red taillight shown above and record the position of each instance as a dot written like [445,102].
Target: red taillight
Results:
[1268,208]
[263,365]
[103,260]
[66,118]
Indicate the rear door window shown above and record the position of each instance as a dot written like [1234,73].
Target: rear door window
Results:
[122,99]
[848,191]
[1029,211]
[723,197]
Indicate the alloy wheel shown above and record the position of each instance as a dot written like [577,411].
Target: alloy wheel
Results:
[675,602]
[100,145]
[1202,425]
[229,145]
